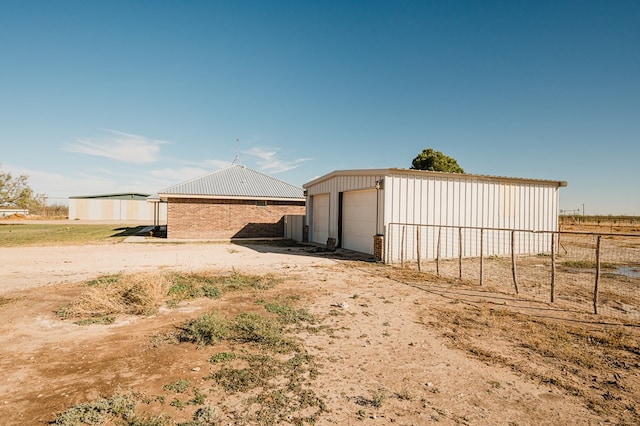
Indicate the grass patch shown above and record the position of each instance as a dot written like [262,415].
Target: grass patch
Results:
[281,388]
[120,409]
[263,360]
[104,281]
[222,357]
[250,328]
[207,329]
[143,293]
[271,366]
[586,264]
[5,301]
[237,282]
[137,294]
[101,320]
[561,354]
[120,406]
[179,386]
[193,286]
[66,234]
[289,315]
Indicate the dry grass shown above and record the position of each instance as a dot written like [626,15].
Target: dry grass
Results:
[143,293]
[137,294]
[268,368]
[5,300]
[562,354]
[64,234]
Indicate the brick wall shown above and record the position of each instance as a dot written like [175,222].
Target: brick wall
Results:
[378,247]
[207,218]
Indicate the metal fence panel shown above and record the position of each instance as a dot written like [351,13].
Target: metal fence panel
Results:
[561,267]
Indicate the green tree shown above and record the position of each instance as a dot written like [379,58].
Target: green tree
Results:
[15,191]
[435,161]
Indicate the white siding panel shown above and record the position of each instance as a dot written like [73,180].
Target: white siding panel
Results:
[359,220]
[320,227]
[468,202]
[115,210]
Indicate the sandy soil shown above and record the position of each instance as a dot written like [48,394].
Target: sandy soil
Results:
[382,339]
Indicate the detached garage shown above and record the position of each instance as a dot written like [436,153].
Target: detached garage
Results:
[235,202]
[352,209]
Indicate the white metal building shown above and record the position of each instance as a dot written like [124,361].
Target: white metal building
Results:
[7,211]
[350,207]
[118,207]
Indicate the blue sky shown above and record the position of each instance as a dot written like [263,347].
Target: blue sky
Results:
[118,96]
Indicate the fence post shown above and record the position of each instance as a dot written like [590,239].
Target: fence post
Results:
[481,252]
[553,267]
[438,253]
[513,260]
[460,253]
[595,288]
[404,228]
[418,247]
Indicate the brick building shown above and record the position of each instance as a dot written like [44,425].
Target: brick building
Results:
[235,202]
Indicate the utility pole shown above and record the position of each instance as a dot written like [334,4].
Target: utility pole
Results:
[582,209]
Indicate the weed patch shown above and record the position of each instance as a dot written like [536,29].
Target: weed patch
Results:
[143,293]
[222,357]
[289,315]
[207,329]
[102,320]
[586,264]
[557,353]
[193,286]
[179,386]
[138,294]
[120,406]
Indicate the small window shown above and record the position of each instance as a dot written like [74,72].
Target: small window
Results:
[261,203]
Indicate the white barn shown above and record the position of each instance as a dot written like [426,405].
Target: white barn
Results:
[354,208]
[124,207]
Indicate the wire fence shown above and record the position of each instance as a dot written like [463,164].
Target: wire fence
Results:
[587,271]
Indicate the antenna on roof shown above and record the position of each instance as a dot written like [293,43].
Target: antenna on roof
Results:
[237,157]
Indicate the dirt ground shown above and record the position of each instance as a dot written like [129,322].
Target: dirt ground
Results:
[388,337]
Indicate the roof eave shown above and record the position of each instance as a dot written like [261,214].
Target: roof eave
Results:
[166,196]
[389,171]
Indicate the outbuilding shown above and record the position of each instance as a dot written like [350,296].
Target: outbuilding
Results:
[125,207]
[393,212]
[235,202]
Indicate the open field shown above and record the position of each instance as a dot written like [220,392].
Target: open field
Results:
[162,334]
[43,233]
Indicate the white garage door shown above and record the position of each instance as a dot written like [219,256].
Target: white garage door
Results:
[320,218]
[359,220]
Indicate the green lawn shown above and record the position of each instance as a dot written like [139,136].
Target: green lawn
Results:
[70,234]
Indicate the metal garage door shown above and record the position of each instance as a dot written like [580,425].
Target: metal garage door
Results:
[320,218]
[359,220]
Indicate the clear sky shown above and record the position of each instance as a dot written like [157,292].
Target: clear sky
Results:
[114,96]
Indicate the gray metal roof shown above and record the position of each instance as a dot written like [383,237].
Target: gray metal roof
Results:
[235,182]
[118,196]
[396,171]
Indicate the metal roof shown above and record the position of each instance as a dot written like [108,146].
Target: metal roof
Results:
[118,196]
[238,182]
[396,171]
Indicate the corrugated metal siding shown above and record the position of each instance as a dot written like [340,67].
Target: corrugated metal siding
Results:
[333,187]
[470,202]
[114,209]
[451,200]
